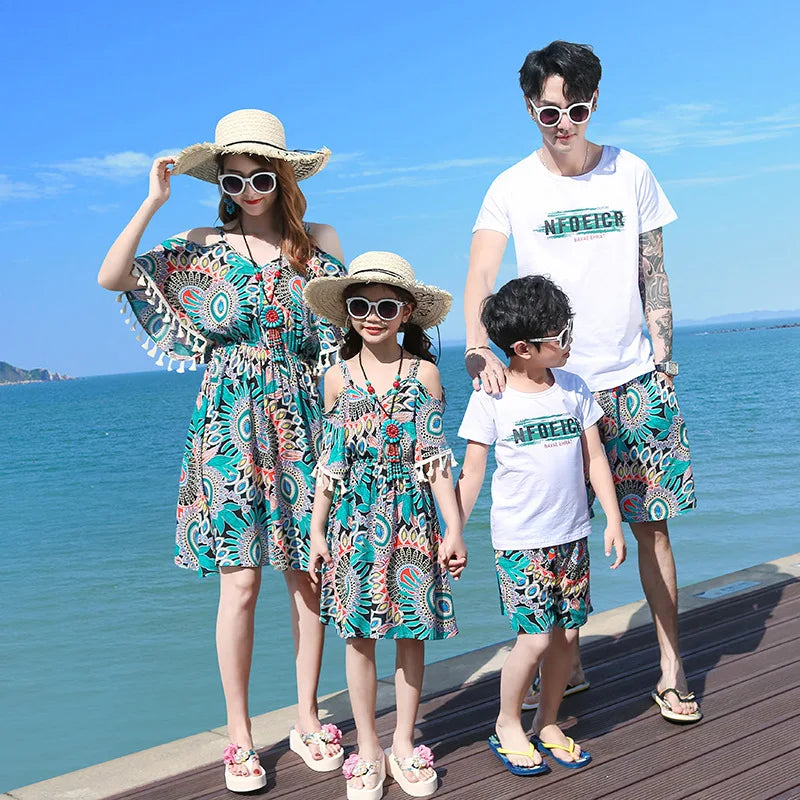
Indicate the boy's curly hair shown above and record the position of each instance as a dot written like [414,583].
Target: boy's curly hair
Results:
[525,308]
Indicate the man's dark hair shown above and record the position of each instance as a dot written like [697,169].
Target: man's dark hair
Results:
[525,308]
[575,63]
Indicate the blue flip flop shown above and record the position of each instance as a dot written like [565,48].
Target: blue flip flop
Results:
[502,753]
[548,750]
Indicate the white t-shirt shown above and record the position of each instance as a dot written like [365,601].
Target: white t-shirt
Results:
[583,233]
[538,488]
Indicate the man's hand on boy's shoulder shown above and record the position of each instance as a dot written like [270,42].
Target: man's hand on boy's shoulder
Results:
[486,370]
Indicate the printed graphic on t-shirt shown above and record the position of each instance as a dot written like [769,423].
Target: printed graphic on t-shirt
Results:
[552,430]
[582,223]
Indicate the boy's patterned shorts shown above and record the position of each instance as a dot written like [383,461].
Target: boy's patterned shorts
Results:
[546,587]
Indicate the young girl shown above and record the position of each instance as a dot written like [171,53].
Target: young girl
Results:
[384,459]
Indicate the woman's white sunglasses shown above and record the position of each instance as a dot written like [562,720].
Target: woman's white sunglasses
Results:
[233,184]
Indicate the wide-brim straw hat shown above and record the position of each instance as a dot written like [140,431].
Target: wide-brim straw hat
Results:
[250,132]
[325,296]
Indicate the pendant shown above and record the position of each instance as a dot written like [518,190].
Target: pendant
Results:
[392,434]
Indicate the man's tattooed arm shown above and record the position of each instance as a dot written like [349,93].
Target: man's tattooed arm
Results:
[654,289]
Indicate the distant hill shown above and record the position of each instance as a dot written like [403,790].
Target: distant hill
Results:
[744,316]
[11,374]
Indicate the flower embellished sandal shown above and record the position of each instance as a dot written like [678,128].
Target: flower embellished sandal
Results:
[421,758]
[330,734]
[252,775]
[357,767]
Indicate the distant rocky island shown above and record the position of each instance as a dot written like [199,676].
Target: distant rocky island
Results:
[11,374]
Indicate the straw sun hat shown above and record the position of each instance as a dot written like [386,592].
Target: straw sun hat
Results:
[325,296]
[251,132]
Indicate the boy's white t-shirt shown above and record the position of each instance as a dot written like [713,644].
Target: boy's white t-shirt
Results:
[538,488]
[583,233]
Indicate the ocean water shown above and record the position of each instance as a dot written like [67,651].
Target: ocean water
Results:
[107,648]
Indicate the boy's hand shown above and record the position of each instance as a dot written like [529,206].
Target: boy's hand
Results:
[453,554]
[318,551]
[614,537]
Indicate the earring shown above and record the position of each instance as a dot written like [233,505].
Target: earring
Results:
[230,206]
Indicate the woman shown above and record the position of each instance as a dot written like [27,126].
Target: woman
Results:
[233,297]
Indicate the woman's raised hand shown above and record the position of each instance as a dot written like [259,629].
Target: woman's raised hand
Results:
[160,174]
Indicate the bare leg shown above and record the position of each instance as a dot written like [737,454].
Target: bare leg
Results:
[576,677]
[409,670]
[659,581]
[555,673]
[515,680]
[362,684]
[238,592]
[309,637]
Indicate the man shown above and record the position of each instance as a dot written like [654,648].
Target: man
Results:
[590,217]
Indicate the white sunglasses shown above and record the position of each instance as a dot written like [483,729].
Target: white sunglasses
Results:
[387,309]
[563,338]
[233,184]
[550,116]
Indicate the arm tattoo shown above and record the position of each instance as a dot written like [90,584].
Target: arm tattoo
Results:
[654,290]
[653,285]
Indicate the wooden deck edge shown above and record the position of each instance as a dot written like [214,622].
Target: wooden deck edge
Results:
[160,762]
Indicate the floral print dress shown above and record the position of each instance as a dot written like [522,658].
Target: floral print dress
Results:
[246,484]
[383,530]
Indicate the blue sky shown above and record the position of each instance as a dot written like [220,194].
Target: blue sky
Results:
[421,106]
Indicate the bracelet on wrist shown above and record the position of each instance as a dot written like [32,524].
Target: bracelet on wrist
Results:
[477,347]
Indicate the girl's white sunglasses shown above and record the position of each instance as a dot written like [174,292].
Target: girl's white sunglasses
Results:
[387,309]
[233,184]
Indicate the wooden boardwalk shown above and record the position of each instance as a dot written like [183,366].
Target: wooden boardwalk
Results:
[742,656]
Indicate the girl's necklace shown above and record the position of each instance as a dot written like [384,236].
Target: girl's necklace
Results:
[272,316]
[391,430]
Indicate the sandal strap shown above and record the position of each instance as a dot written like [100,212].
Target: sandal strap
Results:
[237,755]
[331,736]
[525,754]
[360,767]
[570,749]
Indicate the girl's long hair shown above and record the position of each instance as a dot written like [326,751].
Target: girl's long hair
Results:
[296,244]
[415,340]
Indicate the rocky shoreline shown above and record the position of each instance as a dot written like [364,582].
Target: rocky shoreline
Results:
[11,375]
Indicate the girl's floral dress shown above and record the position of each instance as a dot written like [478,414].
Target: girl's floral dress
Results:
[383,530]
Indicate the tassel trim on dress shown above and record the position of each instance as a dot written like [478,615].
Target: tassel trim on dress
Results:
[325,479]
[180,330]
[426,467]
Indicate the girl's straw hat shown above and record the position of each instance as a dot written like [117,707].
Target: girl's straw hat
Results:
[251,132]
[325,296]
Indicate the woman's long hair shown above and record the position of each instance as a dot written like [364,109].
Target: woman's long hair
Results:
[296,244]
[415,340]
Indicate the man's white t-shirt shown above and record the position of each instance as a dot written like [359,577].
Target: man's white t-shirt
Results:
[538,488]
[583,233]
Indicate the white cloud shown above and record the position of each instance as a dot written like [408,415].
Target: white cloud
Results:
[712,180]
[127,164]
[44,185]
[102,208]
[700,125]
[405,181]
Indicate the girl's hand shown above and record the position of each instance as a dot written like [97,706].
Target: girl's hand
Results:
[614,537]
[453,554]
[318,551]
[160,175]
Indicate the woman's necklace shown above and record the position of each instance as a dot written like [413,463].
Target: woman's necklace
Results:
[272,316]
[392,433]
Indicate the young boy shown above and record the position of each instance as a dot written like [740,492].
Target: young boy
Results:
[543,426]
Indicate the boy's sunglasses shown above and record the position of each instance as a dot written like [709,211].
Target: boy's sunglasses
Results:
[233,185]
[387,310]
[563,339]
[550,116]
